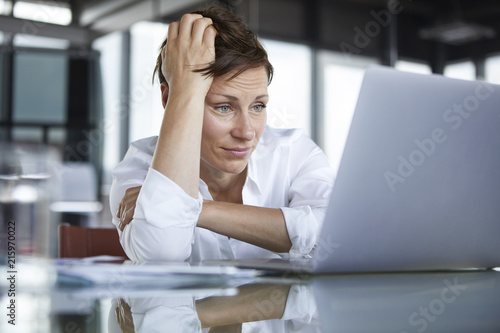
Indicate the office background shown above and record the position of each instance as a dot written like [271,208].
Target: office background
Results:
[77,74]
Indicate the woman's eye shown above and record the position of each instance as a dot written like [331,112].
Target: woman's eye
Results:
[258,107]
[223,108]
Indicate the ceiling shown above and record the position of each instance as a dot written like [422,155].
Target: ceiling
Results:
[336,25]
[423,30]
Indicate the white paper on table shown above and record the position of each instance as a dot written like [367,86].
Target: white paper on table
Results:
[89,271]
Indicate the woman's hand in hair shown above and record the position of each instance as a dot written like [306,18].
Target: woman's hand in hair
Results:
[190,47]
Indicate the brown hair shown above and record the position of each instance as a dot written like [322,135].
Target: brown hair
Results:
[236,47]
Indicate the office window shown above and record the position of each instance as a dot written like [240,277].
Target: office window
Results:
[40,87]
[413,67]
[290,91]
[110,61]
[340,84]
[493,69]
[462,70]
[146,111]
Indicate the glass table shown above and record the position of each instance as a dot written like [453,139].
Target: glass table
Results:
[38,300]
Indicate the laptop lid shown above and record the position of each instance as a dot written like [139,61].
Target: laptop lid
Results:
[418,186]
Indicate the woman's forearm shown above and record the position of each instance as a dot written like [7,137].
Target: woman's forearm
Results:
[263,227]
[177,154]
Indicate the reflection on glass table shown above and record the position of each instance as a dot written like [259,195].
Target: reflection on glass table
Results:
[467,301]
[266,307]
[455,301]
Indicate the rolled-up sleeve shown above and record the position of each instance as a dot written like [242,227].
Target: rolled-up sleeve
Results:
[308,197]
[164,221]
[301,226]
[165,216]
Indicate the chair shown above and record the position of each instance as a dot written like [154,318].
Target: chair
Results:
[80,242]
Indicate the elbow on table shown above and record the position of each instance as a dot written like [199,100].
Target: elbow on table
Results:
[158,253]
[155,248]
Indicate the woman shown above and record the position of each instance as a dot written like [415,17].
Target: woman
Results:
[217,183]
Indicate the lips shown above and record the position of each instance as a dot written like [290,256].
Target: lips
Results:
[238,151]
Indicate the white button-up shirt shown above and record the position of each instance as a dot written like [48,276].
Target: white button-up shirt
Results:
[287,170]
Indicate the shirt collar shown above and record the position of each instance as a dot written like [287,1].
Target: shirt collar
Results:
[252,180]
[260,152]
[205,193]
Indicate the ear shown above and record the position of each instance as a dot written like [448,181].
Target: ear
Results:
[164,93]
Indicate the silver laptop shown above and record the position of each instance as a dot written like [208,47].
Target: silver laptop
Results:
[418,186]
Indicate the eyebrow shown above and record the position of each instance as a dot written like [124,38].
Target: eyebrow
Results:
[234,98]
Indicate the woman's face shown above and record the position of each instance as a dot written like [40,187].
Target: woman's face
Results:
[234,120]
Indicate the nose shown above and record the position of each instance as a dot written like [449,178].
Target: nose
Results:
[243,128]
